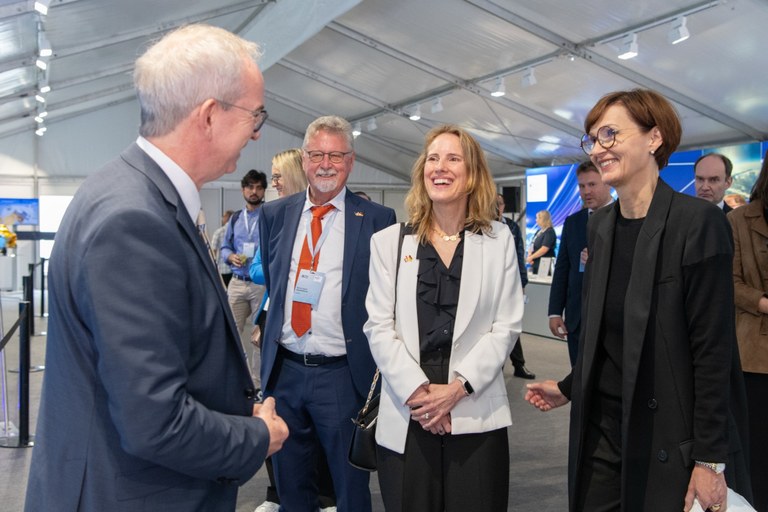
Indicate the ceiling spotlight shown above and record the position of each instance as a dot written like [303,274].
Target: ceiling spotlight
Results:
[372,124]
[679,32]
[41,112]
[356,131]
[45,88]
[40,63]
[39,98]
[500,89]
[437,105]
[40,130]
[415,113]
[628,47]
[41,6]
[529,78]
[43,45]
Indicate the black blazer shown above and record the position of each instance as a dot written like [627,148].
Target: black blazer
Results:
[565,293]
[683,391]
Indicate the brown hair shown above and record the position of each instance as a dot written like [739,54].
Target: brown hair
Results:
[760,188]
[648,109]
[481,191]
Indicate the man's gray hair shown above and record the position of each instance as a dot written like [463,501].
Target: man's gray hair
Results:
[332,124]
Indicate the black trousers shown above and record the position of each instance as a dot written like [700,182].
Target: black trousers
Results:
[757,404]
[445,473]
[516,356]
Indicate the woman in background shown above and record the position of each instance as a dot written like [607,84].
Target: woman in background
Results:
[288,178]
[543,241]
[657,395]
[750,275]
[440,334]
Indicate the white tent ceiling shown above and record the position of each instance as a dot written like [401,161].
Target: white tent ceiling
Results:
[376,59]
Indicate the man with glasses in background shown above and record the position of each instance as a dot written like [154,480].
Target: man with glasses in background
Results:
[239,246]
[316,362]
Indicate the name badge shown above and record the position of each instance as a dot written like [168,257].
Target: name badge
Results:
[249,249]
[308,287]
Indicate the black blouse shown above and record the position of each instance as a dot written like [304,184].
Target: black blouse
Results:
[437,297]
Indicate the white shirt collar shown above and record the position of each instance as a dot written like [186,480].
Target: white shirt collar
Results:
[337,201]
[181,181]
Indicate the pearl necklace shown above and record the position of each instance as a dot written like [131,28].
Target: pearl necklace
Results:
[446,237]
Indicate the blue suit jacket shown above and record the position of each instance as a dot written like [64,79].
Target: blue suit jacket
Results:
[277,227]
[147,397]
[565,293]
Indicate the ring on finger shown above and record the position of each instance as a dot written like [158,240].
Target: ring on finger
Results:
[716,507]
[426,415]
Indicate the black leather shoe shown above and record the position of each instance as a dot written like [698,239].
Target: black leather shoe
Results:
[522,372]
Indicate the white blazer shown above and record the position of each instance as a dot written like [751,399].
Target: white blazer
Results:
[488,321]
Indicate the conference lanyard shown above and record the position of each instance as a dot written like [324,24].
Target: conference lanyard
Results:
[313,251]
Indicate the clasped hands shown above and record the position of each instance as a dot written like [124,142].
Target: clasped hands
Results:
[278,430]
[431,405]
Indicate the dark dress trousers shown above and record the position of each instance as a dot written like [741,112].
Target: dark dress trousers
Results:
[147,397]
[565,293]
[682,392]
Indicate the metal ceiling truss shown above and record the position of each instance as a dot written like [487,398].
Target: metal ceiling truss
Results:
[582,50]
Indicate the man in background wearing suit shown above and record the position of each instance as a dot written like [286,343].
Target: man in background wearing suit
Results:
[565,293]
[712,178]
[147,401]
[316,362]
[516,356]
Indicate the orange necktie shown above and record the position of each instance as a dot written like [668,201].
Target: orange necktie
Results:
[301,317]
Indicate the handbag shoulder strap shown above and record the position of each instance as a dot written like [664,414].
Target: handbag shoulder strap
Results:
[401,236]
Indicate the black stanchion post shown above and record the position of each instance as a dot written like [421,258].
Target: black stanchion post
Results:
[30,297]
[24,356]
[26,284]
[42,287]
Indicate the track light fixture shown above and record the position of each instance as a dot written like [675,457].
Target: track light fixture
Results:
[414,113]
[372,124]
[356,130]
[500,89]
[628,47]
[43,45]
[529,78]
[437,105]
[40,98]
[41,6]
[41,64]
[40,130]
[679,32]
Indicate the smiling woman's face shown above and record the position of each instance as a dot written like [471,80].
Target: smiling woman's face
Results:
[445,172]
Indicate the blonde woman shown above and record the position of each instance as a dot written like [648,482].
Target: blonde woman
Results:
[287,173]
[543,241]
[440,332]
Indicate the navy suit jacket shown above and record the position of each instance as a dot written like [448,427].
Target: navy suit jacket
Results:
[278,224]
[565,293]
[518,236]
[147,397]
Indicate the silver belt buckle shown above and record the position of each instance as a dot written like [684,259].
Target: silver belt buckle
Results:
[307,363]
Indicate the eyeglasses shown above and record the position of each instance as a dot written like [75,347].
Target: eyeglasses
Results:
[606,136]
[259,115]
[336,157]
[277,177]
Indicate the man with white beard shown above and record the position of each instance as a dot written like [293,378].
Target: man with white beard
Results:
[316,363]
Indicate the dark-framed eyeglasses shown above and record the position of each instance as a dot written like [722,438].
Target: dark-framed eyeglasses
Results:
[606,136]
[335,157]
[277,177]
[259,115]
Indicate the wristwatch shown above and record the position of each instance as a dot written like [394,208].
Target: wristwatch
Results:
[468,389]
[717,467]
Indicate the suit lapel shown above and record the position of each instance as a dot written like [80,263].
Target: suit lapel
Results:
[641,284]
[139,160]
[595,284]
[469,291]
[353,222]
[406,295]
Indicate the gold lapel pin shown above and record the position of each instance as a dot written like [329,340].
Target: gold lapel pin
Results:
[408,258]
[359,214]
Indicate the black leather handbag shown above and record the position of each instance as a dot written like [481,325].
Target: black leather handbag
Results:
[362,448]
